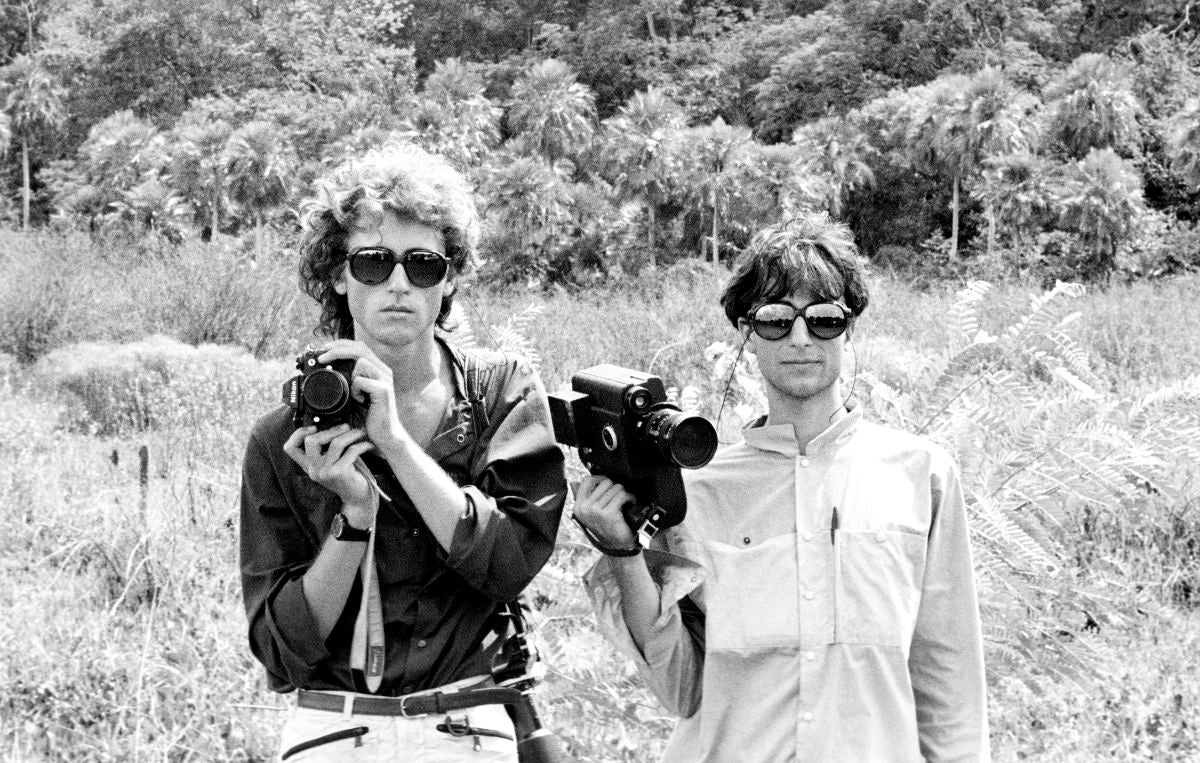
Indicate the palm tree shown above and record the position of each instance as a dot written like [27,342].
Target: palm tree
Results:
[258,166]
[550,113]
[1102,204]
[33,100]
[832,149]
[634,155]
[968,118]
[528,206]
[195,171]
[452,116]
[1092,105]
[713,151]
[1019,191]
[120,153]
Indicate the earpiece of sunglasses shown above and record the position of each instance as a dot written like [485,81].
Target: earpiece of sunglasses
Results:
[825,320]
[373,265]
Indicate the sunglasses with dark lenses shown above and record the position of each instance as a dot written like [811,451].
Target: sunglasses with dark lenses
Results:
[374,265]
[825,320]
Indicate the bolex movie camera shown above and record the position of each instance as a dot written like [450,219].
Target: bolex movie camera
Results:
[626,430]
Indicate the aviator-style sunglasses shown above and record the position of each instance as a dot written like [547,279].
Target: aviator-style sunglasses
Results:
[373,265]
[825,320]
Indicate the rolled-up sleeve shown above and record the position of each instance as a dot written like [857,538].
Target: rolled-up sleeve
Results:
[672,663]
[514,506]
[946,657]
[275,552]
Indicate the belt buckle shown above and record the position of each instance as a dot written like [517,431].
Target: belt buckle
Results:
[404,712]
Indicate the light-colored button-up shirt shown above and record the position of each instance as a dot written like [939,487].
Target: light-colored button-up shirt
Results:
[788,635]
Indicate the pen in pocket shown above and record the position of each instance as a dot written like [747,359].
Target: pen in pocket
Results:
[833,527]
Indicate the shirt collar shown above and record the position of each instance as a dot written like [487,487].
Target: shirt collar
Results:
[781,438]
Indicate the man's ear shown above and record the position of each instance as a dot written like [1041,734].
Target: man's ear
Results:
[746,332]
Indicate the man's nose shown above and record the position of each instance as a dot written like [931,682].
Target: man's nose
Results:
[398,280]
[799,335]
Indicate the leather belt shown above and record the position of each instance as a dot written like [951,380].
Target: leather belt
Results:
[410,705]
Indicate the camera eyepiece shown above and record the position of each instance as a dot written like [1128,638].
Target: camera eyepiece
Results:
[638,399]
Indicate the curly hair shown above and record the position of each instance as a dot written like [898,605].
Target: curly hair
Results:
[804,251]
[401,178]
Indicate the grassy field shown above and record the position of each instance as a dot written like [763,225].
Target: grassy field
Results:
[129,381]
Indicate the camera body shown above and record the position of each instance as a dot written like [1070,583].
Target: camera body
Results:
[320,396]
[626,430]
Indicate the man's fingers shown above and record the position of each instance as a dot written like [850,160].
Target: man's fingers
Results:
[351,453]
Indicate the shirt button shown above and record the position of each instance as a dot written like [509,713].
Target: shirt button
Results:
[808,594]
[421,644]
[416,533]
[804,462]
[810,656]
[879,538]
[808,536]
[807,717]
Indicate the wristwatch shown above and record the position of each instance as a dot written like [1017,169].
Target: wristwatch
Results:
[341,529]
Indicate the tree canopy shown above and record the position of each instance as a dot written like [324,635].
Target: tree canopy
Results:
[943,131]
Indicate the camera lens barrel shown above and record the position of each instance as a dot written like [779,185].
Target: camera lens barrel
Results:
[325,391]
[685,439]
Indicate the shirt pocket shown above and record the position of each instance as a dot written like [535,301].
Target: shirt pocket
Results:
[877,581]
[750,596]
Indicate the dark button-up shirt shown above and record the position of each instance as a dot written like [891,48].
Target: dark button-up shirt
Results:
[439,608]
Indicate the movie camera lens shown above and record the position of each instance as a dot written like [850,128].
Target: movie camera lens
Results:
[685,439]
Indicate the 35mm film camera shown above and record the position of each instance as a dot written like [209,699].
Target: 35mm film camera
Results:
[626,430]
[320,396]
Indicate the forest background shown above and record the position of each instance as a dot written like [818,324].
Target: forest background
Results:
[992,158]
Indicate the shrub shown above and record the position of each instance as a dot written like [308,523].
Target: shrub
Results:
[113,389]
[218,295]
[45,296]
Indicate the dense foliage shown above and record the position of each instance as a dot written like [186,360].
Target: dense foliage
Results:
[1047,137]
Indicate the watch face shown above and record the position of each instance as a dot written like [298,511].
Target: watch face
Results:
[343,530]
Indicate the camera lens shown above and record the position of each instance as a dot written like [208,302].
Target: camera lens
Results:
[326,391]
[687,440]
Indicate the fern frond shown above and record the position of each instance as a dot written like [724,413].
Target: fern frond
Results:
[460,332]
[1185,390]
[512,336]
[962,319]
[1047,312]
[1015,547]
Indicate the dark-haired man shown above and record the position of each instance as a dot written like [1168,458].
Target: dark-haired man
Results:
[817,603]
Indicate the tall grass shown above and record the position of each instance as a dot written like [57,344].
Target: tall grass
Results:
[122,631]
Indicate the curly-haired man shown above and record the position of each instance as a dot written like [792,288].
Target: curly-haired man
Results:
[377,556]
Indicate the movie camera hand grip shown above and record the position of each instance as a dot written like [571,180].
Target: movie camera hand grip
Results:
[626,430]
